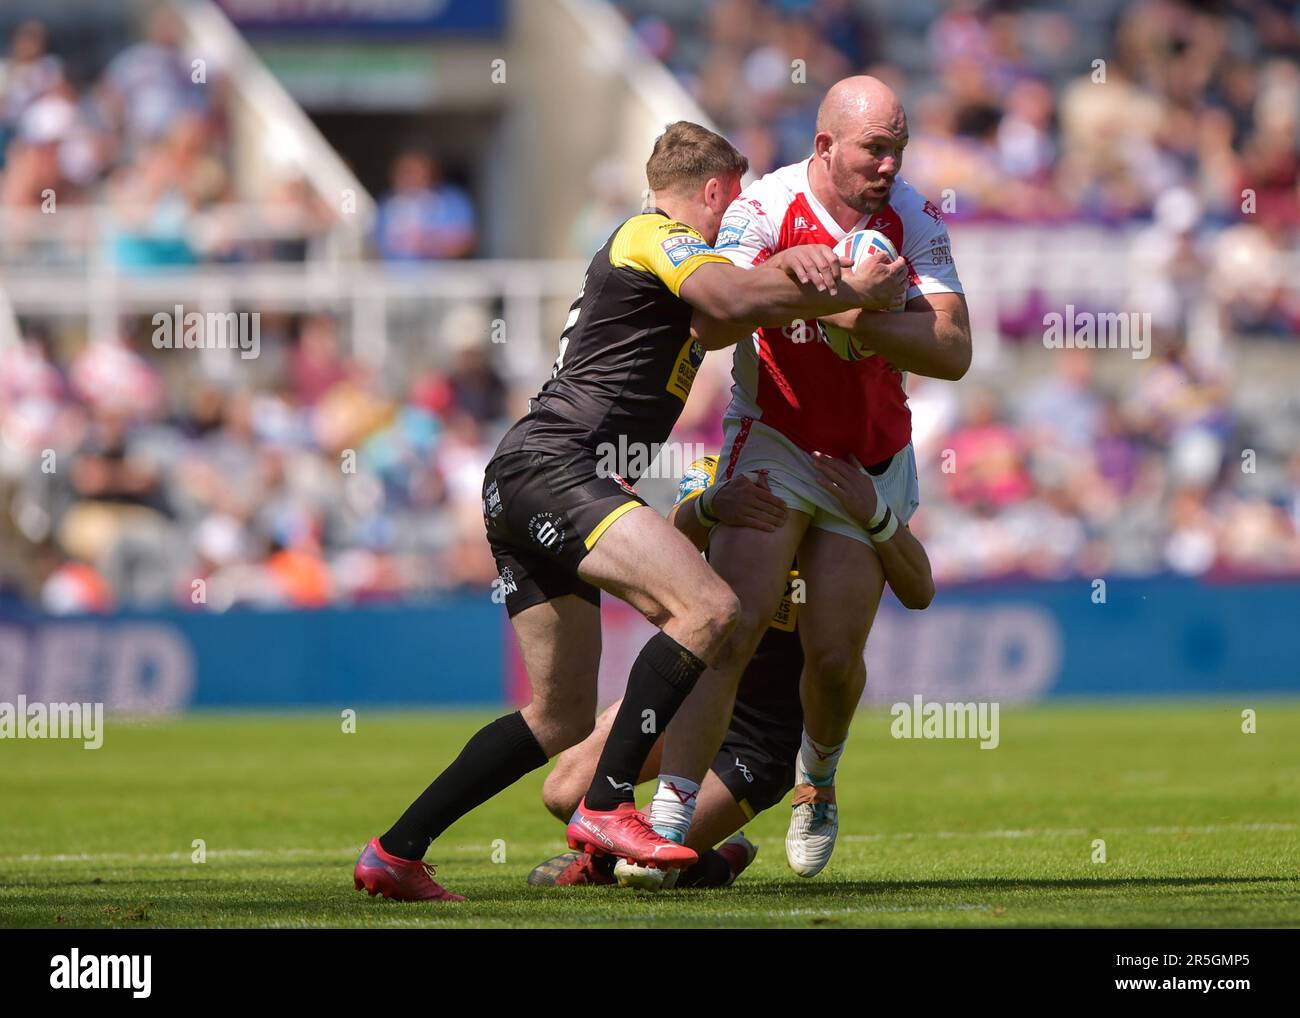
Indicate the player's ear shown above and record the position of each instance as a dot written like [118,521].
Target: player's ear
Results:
[822,142]
[715,193]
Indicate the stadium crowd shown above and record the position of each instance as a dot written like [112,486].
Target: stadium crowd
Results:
[148,140]
[314,478]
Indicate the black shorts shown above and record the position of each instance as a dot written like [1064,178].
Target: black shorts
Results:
[543,513]
[756,761]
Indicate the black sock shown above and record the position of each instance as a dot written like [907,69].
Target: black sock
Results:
[711,870]
[496,757]
[662,676]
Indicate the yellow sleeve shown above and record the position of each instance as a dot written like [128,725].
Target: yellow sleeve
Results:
[662,247]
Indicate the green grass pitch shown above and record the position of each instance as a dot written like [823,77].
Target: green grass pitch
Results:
[1201,825]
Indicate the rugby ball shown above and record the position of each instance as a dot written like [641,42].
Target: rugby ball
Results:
[859,245]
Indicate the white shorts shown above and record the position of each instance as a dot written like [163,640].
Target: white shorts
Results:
[750,446]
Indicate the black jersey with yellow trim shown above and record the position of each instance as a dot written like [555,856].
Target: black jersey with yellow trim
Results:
[626,361]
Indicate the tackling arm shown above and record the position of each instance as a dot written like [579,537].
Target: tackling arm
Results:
[774,294]
[902,556]
[907,569]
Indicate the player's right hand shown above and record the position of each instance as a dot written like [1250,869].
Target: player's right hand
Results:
[879,282]
[740,502]
[812,263]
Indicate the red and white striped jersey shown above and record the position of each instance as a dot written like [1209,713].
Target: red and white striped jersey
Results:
[802,389]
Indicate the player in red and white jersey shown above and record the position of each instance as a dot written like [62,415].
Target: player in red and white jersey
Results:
[802,389]
[792,399]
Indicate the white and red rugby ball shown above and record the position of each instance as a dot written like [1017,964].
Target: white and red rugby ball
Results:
[859,245]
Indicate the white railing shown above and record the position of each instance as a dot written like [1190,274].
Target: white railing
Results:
[526,300]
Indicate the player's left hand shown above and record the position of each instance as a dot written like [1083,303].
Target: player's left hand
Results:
[849,483]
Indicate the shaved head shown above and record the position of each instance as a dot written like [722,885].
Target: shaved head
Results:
[858,148]
[851,102]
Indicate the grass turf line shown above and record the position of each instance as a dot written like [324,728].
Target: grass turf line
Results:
[1201,824]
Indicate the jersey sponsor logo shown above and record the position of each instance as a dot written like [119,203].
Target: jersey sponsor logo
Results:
[801,223]
[685,368]
[679,248]
[508,584]
[940,253]
[784,618]
[744,770]
[732,230]
[546,530]
[492,502]
[694,481]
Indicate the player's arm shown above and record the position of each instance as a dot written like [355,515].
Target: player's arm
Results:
[902,556]
[703,503]
[930,337]
[773,294]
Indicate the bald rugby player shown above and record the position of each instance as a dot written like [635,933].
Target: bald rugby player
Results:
[796,411]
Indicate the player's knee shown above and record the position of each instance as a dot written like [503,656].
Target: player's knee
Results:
[713,614]
[834,665]
[741,639]
[723,610]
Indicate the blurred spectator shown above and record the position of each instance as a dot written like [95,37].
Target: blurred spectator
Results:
[424,217]
[986,467]
[151,84]
[29,73]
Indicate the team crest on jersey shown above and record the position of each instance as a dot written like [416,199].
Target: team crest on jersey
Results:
[932,210]
[492,501]
[683,246]
[546,530]
[622,483]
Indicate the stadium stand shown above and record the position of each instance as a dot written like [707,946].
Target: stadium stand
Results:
[1073,464]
